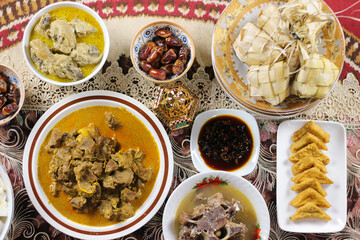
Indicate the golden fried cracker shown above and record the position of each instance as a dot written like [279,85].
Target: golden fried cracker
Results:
[305,140]
[314,129]
[310,210]
[313,172]
[309,182]
[310,150]
[307,163]
[310,195]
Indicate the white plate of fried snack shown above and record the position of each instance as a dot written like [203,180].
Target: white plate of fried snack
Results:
[311,176]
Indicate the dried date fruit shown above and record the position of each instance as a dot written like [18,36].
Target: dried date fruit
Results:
[163,32]
[10,108]
[178,67]
[13,93]
[184,53]
[155,55]
[156,64]
[2,101]
[145,50]
[3,85]
[145,66]
[3,77]
[176,49]
[173,41]
[167,69]
[158,74]
[168,57]
[161,43]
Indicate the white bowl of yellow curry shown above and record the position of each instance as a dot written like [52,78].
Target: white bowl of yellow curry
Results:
[66,43]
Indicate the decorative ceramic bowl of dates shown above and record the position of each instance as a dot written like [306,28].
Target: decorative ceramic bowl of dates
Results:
[162,52]
[12,94]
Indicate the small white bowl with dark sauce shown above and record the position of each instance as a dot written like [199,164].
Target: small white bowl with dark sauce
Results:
[226,140]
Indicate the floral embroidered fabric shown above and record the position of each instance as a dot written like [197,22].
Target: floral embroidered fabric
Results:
[342,105]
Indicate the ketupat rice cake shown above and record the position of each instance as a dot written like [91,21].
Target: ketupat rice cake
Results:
[271,21]
[254,46]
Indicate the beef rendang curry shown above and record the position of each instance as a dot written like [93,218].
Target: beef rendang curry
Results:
[98,165]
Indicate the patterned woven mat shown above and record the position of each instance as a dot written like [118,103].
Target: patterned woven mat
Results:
[198,17]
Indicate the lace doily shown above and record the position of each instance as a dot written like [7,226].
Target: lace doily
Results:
[342,104]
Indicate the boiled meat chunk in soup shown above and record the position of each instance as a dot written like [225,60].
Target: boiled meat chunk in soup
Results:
[54,64]
[63,36]
[85,54]
[82,28]
[44,24]
[211,220]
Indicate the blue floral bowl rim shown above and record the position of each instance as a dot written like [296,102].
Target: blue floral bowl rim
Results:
[22,95]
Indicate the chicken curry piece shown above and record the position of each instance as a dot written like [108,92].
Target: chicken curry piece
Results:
[93,174]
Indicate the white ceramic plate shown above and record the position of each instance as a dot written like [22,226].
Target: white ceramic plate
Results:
[10,199]
[239,183]
[336,172]
[200,120]
[59,111]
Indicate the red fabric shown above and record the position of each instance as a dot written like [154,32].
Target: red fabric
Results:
[347,69]
[196,9]
[188,9]
[350,25]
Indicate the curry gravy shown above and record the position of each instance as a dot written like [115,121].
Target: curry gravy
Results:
[68,14]
[247,216]
[132,134]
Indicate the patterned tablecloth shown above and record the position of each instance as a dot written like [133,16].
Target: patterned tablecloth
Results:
[123,18]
